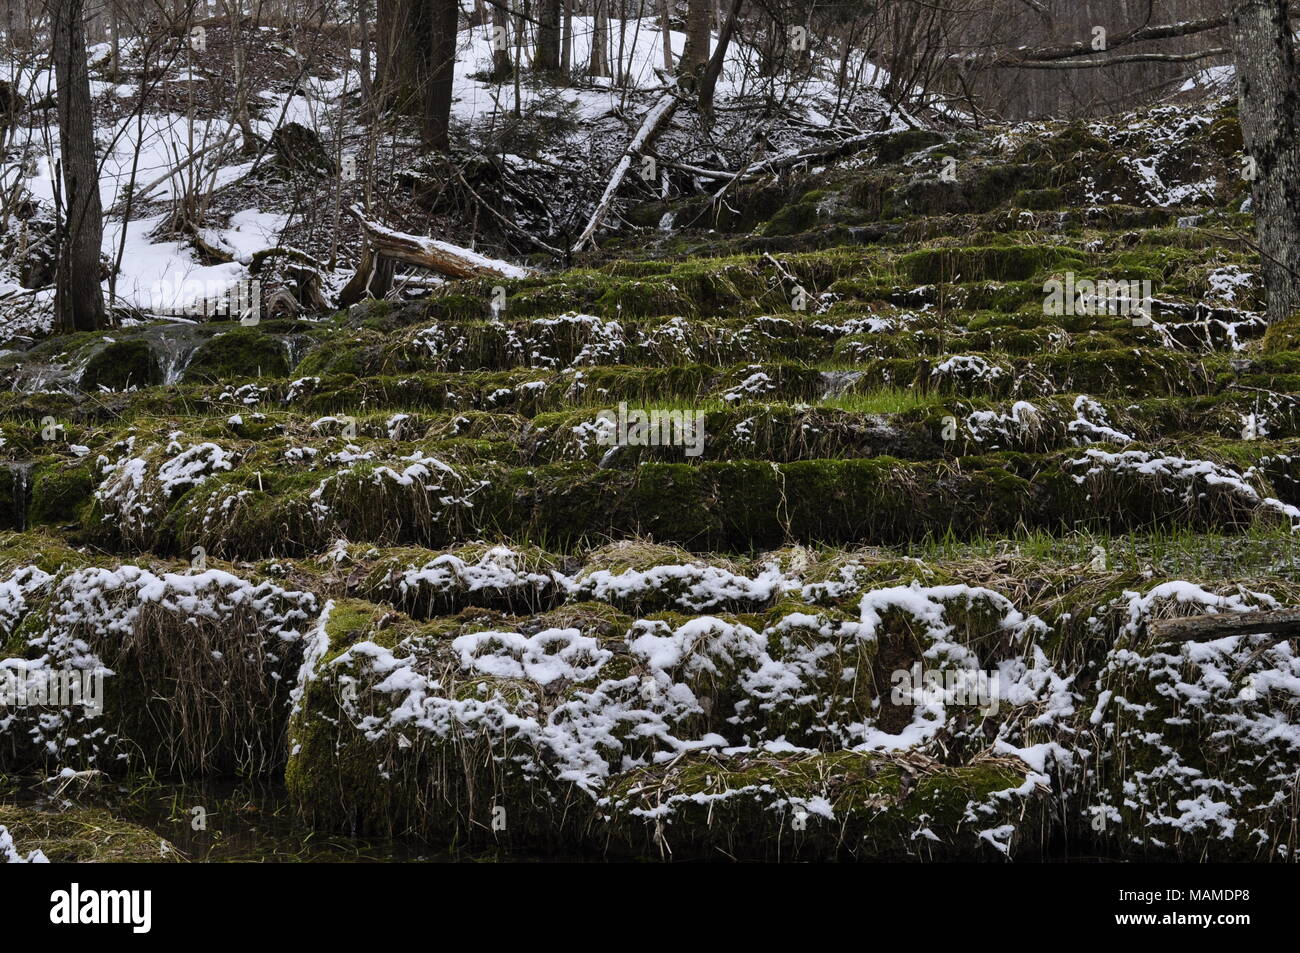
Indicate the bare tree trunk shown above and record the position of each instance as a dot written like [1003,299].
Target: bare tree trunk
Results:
[20,33]
[385,18]
[548,37]
[709,82]
[441,74]
[78,300]
[665,29]
[363,39]
[696,54]
[519,56]
[566,51]
[1269,97]
[402,46]
[599,65]
[501,66]
[115,40]
[250,142]
[415,46]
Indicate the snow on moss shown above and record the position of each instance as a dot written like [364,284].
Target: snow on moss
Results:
[1194,479]
[9,853]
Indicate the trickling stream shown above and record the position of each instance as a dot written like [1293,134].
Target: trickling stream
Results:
[296,347]
[174,344]
[837,383]
[34,377]
[20,476]
[231,822]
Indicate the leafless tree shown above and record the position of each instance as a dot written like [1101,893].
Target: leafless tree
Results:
[698,35]
[547,59]
[1269,98]
[79,302]
[416,62]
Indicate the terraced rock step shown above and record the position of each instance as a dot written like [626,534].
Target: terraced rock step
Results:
[239,502]
[610,698]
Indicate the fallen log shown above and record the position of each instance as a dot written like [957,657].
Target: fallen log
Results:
[827,150]
[442,257]
[1280,623]
[654,121]
[372,279]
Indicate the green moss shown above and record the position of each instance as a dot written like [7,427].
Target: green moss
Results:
[361,354]
[60,492]
[1283,335]
[122,364]
[1039,199]
[997,263]
[897,145]
[1224,136]
[792,219]
[752,807]
[241,352]
[84,835]
[420,784]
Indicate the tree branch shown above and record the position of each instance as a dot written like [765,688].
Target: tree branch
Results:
[1115,60]
[1163,31]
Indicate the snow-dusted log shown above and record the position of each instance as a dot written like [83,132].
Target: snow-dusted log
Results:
[442,257]
[824,150]
[655,120]
[1281,623]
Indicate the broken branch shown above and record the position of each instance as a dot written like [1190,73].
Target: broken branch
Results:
[442,257]
[1280,623]
[654,121]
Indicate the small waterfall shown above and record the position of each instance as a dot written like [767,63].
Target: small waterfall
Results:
[36,378]
[174,344]
[836,383]
[296,347]
[20,477]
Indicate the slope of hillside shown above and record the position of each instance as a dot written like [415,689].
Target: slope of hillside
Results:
[941,426]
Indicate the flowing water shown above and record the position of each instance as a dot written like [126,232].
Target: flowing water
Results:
[228,822]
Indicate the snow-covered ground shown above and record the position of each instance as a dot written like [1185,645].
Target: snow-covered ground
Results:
[153,154]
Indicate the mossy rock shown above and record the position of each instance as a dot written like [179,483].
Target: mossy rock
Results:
[82,835]
[339,778]
[1224,136]
[792,219]
[1038,199]
[60,492]
[838,805]
[361,354]
[122,364]
[1283,335]
[896,146]
[241,352]
[996,263]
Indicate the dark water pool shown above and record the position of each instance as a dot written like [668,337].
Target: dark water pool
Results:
[226,823]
